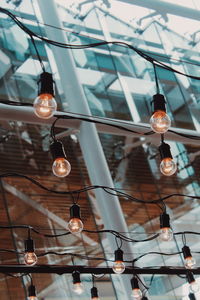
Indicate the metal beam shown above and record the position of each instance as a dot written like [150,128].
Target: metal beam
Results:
[26,115]
[167,8]
[55,269]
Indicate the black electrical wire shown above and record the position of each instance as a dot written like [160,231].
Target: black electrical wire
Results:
[97,44]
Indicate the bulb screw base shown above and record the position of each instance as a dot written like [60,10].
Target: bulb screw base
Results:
[164,150]
[186,252]
[45,84]
[75,211]
[29,245]
[76,277]
[158,103]
[164,221]
[134,283]
[57,150]
[94,292]
[190,277]
[31,291]
[119,255]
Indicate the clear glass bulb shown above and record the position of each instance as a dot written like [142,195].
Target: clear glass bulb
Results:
[137,294]
[95,298]
[78,288]
[32,298]
[194,287]
[45,106]
[30,258]
[75,225]
[160,122]
[166,234]
[61,167]
[118,267]
[168,167]
[190,262]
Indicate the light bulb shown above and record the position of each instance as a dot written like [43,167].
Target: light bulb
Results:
[194,287]
[45,106]
[32,298]
[137,294]
[61,167]
[30,258]
[118,267]
[95,298]
[168,167]
[190,262]
[160,122]
[78,288]
[166,234]
[75,225]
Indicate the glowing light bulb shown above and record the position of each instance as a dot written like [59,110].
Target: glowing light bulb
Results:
[32,298]
[194,287]
[118,267]
[137,294]
[190,262]
[75,225]
[160,122]
[45,106]
[30,258]
[166,234]
[168,167]
[78,288]
[61,167]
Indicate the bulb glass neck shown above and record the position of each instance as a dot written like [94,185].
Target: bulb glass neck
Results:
[134,283]
[158,103]
[164,150]
[57,150]
[164,221]
[94,292]
[119,255]
[76,277]
[45,84]
[29,245]
[75,211]
[186,252]
[31,291]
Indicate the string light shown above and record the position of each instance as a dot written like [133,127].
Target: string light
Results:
[61,167]
[167,166]
[75,224]
[165,234]
[32,293]
[159,121]
[45,105]
[94,293]
[136,292]
[194,287]
[118,266]
[30,258]
[190,262]
[77,285]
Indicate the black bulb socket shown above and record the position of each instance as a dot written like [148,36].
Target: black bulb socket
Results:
[191,296]
[75,211]
[164,221]
[119,255]
[45,84]
[57,150]
[144,298]
[31,291]
[76,277]
[134,283]
[190,277]
[94,292]
[186,252]
[159,103]
[29,245]
[164,150]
